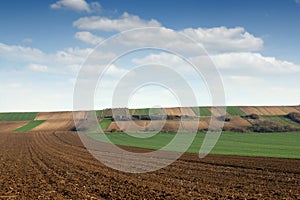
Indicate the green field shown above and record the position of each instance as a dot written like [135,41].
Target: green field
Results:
[235,111]
[131,111]
[281,145]
[146,111]
[18,116]
[104,123]
[29,126]
[99,113]
[283,120]
[201,111]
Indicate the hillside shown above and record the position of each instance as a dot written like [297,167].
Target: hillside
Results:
[238,118]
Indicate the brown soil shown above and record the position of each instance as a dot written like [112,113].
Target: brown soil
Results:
[173,125]
[237,122]
[128,126]
[10,126]
[54,115]
[269,110]
[56,125]
[250,110]
[187,111]
[172,111]
[55,165]
[290,109]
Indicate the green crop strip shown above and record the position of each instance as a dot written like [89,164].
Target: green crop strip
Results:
[281,145]
[201,111]
[19,116]
[235,111]
[104,123]
[29,126]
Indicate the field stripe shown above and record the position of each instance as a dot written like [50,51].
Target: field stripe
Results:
[18,116]
[235,111]
[29,126]
[104,123]
[201,111]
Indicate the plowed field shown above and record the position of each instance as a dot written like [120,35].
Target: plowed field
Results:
[54,125]
[55,165]
[10,126]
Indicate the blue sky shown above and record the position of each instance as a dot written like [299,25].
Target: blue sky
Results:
[57,38]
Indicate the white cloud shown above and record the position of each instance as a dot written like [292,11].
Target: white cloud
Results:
[125,22]
[245,61]
[38,68]
[225,39]
[166,59]
[254,63]
[88,37]
[16,53]
[20,54]
[217,39]
[248,76]
[214,40]
[76,5]
[113,70]
[70,56]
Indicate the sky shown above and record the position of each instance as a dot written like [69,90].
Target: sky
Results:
[254,45]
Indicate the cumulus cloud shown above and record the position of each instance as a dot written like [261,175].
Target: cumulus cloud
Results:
[76,5]
[215,40]
[232,50]
[254,63]
[26,55]
[63,61]
[124,22]
[38,68]
[225,39]
[21,53]
[166,59]
[88,37]
[239,64]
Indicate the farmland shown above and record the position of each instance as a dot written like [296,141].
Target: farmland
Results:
[30,126]
[281,145]
[275,117]
[55,165]
[235,111]
[17,116]
[42,156]
[282,120]
[104,124]
[202,111]
[147,111]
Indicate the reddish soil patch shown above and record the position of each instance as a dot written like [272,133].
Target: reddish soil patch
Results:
[10,126]
[55,165]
